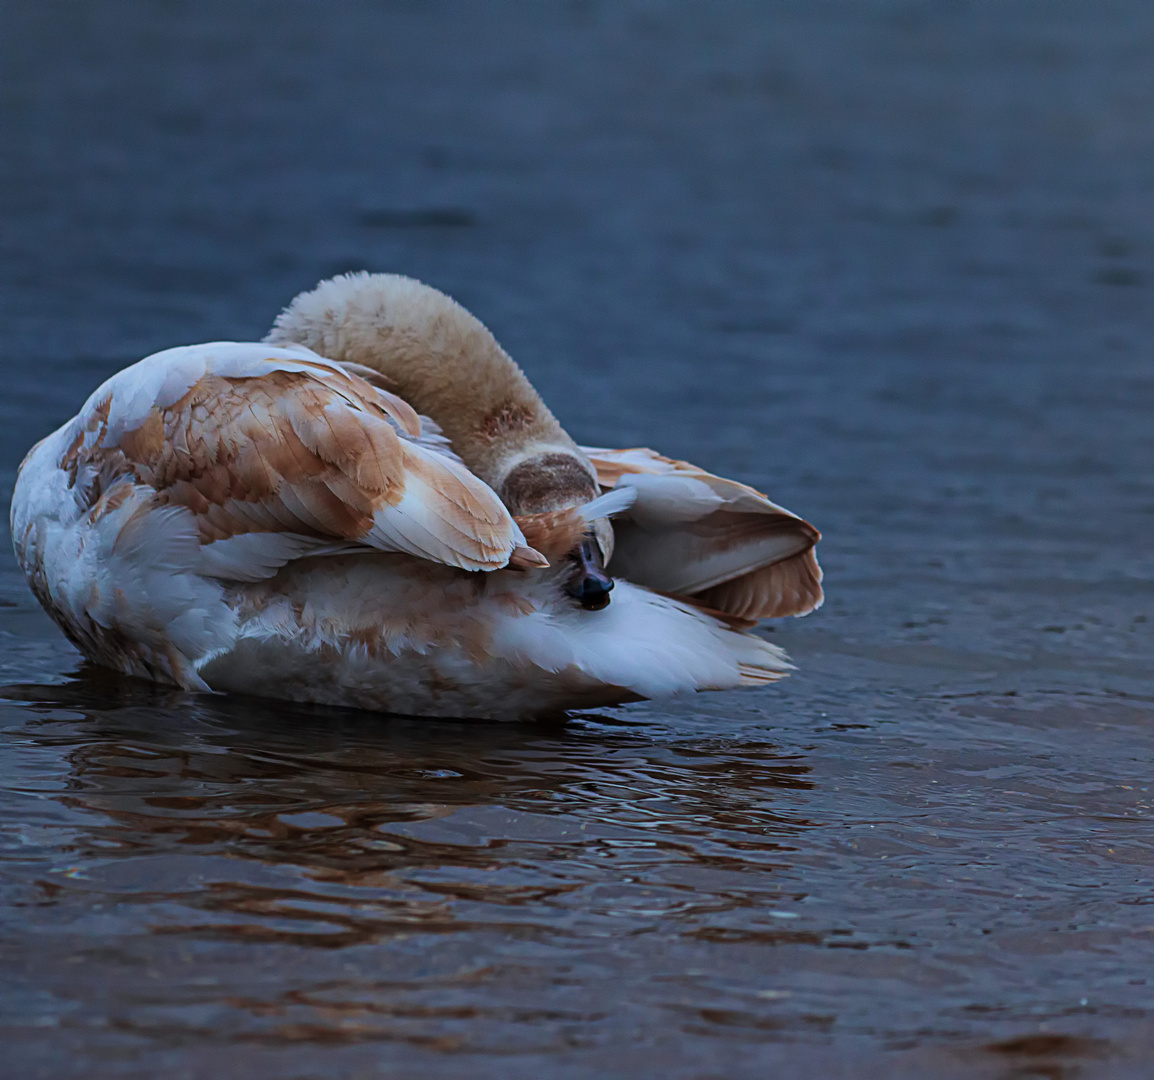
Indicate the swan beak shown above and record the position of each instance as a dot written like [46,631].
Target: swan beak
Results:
[589,583]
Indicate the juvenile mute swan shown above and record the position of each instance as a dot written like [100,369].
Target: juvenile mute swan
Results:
[375,508]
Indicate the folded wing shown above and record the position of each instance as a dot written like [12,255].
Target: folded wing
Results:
[279,454]
[715,542]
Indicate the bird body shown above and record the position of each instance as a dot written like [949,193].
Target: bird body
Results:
[376,509]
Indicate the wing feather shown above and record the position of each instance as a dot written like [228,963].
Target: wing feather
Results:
[708,539]
[280,454]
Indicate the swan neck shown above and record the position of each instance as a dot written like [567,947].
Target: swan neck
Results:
[445,363]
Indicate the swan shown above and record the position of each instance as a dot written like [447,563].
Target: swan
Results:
[374,508]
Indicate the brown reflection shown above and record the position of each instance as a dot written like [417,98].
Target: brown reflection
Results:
[269,822]
[758,937]
[1048,1044]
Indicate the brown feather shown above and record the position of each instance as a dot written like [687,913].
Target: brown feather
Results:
[312,454]
[790,587]
[554,534]
[734,622]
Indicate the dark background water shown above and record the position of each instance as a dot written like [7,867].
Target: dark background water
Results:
[890,259]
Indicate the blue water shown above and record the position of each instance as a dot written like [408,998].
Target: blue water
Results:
[891,261]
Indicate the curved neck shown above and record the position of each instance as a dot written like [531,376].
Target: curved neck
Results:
[446,364]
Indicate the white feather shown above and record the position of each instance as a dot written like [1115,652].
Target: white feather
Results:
[649,644]
[612,502]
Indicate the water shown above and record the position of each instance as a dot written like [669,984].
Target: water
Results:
[891,260]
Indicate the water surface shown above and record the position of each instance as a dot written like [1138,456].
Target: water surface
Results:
[891,261]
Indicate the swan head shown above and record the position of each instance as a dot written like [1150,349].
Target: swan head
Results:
[448,366]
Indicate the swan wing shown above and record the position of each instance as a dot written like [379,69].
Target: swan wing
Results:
[278,454]
[714,541]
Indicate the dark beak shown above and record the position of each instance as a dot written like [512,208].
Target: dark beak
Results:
[589,583]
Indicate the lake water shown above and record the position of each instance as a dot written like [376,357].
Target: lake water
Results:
[889,259]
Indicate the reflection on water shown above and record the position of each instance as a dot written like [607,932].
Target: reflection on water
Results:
[196,873]
[389,870]
[420,814]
